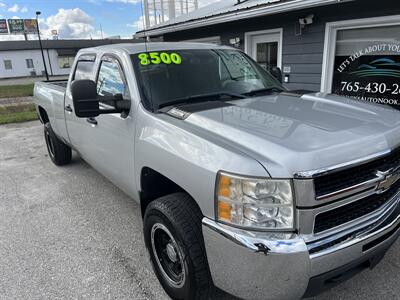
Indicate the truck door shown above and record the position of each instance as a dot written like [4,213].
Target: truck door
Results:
[107,141]
[77,128]
[111,137]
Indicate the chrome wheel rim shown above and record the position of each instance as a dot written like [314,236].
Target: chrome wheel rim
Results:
[168,255]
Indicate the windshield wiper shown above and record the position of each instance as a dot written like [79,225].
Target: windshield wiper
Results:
[202,98]
[263,91]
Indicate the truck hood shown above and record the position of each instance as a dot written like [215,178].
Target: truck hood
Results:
[289,133]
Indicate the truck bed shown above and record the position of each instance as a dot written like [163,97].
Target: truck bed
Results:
[49,95]
[60,83]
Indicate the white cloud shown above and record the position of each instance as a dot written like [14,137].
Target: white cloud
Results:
[2,4]
[14,8]
[137,25]
[15,17]
[70,23]
[96,2]
[24,9]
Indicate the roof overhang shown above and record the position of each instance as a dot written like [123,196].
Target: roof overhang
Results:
[274,8]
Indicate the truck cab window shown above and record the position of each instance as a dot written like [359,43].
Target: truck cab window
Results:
[84,70]
[199,72]
[111,80]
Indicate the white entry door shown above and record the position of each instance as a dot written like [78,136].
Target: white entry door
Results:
[265,47]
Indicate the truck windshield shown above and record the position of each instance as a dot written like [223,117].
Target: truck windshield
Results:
[185,75]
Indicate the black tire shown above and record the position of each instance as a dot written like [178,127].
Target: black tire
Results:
[59,152]
[181,217]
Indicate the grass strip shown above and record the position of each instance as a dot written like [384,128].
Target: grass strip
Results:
[17,113]
[12,91]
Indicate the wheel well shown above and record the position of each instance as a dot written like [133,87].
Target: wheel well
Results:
[44,118]
[155,185]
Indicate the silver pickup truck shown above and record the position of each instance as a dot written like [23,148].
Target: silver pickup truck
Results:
[259,191]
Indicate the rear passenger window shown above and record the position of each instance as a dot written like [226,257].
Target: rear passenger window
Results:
[84,68]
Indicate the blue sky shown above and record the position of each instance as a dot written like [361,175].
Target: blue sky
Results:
[78,19]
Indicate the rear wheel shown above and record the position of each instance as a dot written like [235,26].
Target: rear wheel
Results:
[59,152]
[173,237]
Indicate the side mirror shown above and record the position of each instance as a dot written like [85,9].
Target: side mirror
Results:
[84,98]
[277,73]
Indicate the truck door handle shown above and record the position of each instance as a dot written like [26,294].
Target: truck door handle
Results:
[92,121]
[68,108]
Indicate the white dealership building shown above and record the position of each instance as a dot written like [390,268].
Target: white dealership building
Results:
[24,58]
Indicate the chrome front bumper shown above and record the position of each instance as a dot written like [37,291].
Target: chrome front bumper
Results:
[260,265]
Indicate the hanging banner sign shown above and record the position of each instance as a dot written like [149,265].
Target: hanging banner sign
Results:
[3,26]
[30,26]
[371,74]
[16,26]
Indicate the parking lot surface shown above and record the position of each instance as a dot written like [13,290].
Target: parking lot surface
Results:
[68,233]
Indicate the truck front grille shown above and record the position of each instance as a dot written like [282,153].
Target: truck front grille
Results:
[341,180]
[354,210]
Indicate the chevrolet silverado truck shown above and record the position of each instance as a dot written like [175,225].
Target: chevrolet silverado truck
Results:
[244,186]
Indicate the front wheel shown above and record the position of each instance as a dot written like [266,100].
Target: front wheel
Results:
[59,152]
[173,237]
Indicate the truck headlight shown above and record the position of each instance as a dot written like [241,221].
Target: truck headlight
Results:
[255,202]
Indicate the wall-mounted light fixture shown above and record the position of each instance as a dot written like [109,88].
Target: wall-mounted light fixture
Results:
[235,42]
[303,22]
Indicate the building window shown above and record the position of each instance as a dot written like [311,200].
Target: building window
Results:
[267,54]
[29,63]
[7,64]
[65,62]
[367,64]
[362,60]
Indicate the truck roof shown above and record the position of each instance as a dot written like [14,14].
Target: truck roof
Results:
[155,46]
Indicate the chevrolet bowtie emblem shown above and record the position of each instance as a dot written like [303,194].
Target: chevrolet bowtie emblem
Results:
[388,179]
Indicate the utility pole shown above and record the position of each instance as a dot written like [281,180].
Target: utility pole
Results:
[41,46]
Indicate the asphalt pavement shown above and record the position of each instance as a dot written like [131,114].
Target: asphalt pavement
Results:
[68,233]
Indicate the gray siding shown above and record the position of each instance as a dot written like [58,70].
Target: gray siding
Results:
[304,54]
